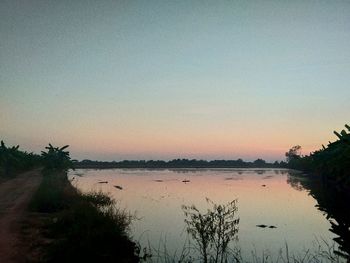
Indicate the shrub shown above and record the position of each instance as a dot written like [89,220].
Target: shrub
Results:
[213,230]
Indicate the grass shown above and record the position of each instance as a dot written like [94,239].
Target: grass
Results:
[82,227]
[320,252]
[209,235]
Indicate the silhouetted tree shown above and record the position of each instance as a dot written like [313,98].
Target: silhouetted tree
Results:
[57,158]
[259,163]
[293,153]
[331,162]
[13,160]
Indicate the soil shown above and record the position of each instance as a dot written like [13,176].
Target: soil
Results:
[15,196]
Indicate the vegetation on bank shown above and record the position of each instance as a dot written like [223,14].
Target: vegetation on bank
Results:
[82,227]
[79,227]
[56,158]
[213,230]
[13,160]
[332,162]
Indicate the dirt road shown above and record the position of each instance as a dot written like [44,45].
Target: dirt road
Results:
[15,195]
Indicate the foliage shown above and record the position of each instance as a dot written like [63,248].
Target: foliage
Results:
[56,158]
[259,163]
[293,153]
[321,251]
[331,162]
[83,228]
[213,230]
[53,194]
[13,160]
[98,199]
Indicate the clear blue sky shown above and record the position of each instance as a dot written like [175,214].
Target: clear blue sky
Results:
[165,79]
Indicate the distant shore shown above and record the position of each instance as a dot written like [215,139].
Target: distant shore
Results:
[178,163]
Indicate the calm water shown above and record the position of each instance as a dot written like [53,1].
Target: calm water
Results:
[270,197]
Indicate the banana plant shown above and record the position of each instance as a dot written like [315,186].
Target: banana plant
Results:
[8,159]
[334,160]
[56,158]
[343,135]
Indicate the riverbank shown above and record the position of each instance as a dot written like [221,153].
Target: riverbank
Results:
[177,164]
[78,227]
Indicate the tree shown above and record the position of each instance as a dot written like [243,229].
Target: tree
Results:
[294,153]
[259,163]
[57,158]
[13,160]
[8,158]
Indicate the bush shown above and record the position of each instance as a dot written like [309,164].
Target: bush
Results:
[56,158]
[13,160]
[213,230]
[83,227]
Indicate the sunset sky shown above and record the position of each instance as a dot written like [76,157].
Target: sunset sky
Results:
[166,79]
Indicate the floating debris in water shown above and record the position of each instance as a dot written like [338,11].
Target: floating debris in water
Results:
[233,178]
[103,182]
[267,176]
[186,181]
[158,181]
[263,185]
[264,226]
[118,187]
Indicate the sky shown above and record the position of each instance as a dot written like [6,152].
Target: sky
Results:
[166,79]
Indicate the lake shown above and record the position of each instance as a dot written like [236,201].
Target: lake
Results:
[273,197]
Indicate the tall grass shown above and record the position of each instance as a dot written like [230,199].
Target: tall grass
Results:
[82,227]
[321,252]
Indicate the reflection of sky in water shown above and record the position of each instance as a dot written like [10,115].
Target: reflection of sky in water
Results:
[157,195]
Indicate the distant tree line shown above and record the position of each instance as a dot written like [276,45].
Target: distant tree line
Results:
[14,160]
[179,163]
[332,162]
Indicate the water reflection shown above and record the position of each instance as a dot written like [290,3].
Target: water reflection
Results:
[193,171]
[269,197]
[332,202]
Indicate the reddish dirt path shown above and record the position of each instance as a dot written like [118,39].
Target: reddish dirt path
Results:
[15,195]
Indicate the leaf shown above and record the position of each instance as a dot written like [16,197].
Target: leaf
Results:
[337,134]
[348,127]
[64,147]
